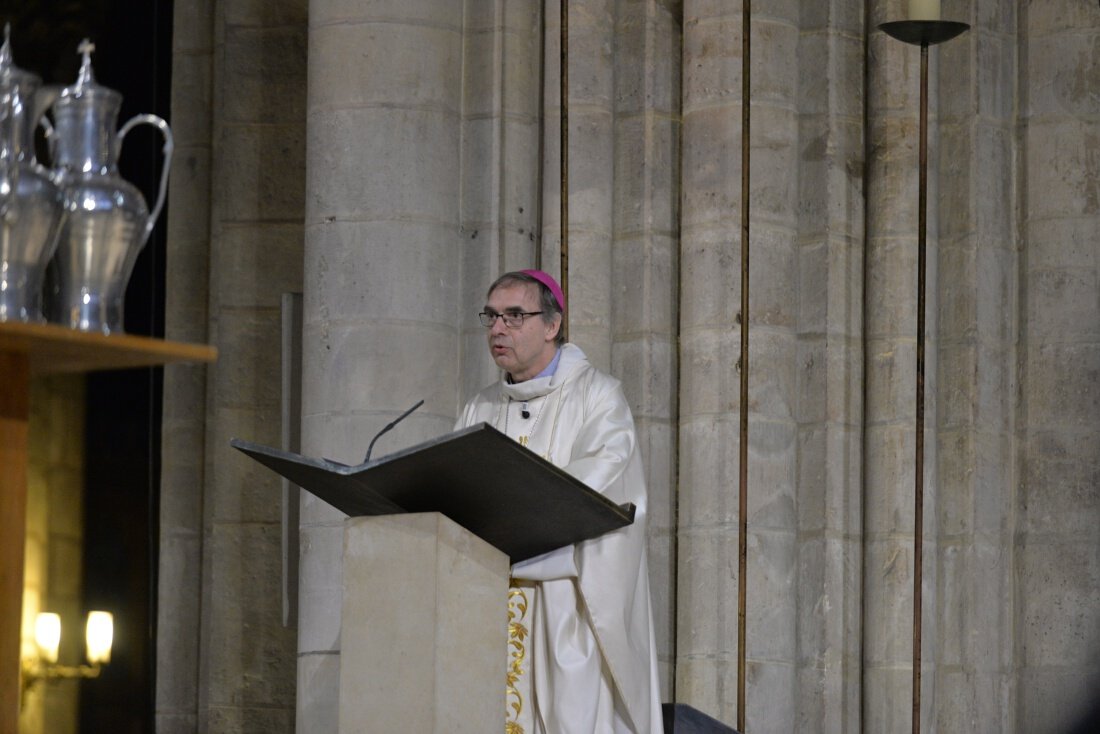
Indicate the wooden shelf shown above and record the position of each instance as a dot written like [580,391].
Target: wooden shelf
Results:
[51,349]
[25,350]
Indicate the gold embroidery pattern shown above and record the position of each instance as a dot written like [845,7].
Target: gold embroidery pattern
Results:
[517,652]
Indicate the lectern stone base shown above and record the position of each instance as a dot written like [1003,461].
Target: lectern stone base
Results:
[423,634]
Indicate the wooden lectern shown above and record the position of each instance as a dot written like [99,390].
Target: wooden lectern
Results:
[428,545]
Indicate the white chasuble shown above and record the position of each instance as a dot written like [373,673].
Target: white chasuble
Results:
[581,652]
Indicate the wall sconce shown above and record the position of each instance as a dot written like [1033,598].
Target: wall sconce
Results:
[98,636]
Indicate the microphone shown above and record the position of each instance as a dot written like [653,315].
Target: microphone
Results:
[395,421]
[523,410]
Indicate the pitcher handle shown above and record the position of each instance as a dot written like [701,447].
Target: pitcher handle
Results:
[169,146]
[48,133]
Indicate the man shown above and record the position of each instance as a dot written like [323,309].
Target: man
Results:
[581,647]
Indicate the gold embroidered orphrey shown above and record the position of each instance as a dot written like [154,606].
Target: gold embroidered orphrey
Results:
[517,653]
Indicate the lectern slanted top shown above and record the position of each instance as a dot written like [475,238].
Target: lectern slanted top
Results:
[486,482]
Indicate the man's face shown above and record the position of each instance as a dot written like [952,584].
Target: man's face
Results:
[525,351]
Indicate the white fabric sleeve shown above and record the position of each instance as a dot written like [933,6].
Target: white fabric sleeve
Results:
[557,564]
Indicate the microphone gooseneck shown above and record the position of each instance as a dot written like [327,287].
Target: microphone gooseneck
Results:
[395,421]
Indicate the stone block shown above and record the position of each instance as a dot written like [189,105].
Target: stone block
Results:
[1061,79]
[257,263]
[414,171]
[1061,243]
[711,61]
[1060,592]
[644,303]
[1064,385]
[192,94]
[179,570]
[1065,171]
[1056,699]
[711,172]
[771,618]
[708,470]
[1060,475]
[892,288]
[251,180]
[263,74]
[396,65]
[773,251]
[441,13]
[247,376]
[423,627]
[591,54]
[891,382]
[707,585]
[243,489]
[709,684]
[250,658]
[359,362]
[771,686]
[710,292]
[646,173]
[1063,305]
[644,366]
[256,13]
[396,271]
[591,170]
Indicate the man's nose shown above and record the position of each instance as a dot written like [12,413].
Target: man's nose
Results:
[498,326]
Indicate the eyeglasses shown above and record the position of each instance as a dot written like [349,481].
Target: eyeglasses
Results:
[511,319]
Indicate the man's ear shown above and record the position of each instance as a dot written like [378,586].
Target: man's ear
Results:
[552,334]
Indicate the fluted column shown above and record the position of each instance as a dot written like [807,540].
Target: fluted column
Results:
[1058,536]
[973,687]
[710,277]
[381,270]
[644,273]
[830,365]
[893,70]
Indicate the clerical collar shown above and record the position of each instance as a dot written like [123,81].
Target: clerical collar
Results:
[547,371]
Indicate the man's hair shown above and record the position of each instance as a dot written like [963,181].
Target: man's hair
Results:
[548,304]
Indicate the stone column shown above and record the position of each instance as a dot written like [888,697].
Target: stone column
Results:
[382,256]
[1058,540]
[591,168]
[183,436]
[250,155]
[644,273]
[893,70]
[973,688]
[710,348]
[500,165]
[829,364]
[706,628]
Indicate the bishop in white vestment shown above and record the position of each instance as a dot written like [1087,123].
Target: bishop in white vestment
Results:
[581,652]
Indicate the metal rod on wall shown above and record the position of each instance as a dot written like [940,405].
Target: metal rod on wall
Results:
[923,33]
[918,474]
[743,441]
[564,156]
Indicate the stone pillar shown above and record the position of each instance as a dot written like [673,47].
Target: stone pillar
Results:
[383,243]
[250,153]
[500,168]
[893,70]
[183,427]
[710,349]
[644,272]
[1058,536]
[973,687]
[591,168]
[829,365]
[706,578]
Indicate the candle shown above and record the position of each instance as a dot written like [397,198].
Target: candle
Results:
[924,9]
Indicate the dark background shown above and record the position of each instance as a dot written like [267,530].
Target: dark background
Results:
[122,433]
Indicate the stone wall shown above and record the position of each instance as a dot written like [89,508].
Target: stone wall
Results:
[418,148]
